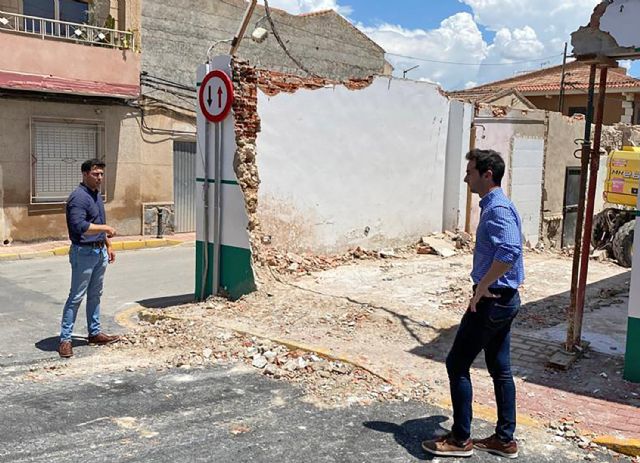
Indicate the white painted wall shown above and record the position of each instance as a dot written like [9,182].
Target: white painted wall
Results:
[496,136]
[458,141]
[346,160]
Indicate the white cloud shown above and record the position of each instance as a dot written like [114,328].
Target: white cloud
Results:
[519,44]
[309,6]
[457,39]
[626,64]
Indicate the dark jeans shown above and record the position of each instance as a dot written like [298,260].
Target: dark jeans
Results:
[488,328]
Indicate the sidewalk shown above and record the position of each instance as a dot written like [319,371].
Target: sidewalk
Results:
[20,251]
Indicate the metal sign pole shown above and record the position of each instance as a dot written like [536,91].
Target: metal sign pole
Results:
[205,193]
[217,216]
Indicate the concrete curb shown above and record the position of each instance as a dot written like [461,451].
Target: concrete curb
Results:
[117,246]
[629,447]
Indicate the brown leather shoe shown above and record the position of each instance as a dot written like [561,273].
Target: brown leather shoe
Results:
[65,350]
[448,446]
[494,445]
[102,339]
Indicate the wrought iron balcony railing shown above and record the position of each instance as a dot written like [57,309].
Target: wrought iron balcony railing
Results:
[62,30]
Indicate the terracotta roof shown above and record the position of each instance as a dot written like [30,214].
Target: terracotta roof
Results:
[548,80]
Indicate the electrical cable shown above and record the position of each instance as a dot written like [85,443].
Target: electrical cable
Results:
[281,43]
[473,64]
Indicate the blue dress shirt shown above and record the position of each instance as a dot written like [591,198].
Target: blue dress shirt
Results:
[84,207]
[498,237]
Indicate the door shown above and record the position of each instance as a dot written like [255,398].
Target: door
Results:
[570,208]
[527,160]
[184,186]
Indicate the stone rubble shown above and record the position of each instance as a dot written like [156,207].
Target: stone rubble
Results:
[330,382]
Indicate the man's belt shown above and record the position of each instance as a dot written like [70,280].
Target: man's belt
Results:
[94,244]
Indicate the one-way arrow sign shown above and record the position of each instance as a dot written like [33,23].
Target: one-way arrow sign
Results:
[216,82]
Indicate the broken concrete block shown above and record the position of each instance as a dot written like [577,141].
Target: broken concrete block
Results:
[439,245]
[259,361]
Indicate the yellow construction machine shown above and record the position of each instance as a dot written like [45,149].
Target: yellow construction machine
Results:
[613,227]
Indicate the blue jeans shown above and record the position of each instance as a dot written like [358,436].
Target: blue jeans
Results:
[488,328]
[88,266]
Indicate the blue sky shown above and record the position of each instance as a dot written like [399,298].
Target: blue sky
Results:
[495,39]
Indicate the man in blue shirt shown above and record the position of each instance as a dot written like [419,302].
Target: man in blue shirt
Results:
[497,273]
[89,255]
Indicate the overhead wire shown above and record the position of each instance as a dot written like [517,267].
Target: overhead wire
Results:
[281,43]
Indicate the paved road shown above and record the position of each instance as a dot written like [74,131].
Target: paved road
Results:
[216,414]
[32,293]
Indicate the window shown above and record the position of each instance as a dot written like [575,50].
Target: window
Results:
[59,149]
[74,11]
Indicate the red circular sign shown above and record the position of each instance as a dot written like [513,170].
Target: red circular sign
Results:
[215,95]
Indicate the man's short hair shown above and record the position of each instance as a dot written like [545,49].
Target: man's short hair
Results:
[488,160]
[91,163]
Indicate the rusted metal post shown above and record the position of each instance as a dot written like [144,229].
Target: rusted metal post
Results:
[584,170]
[591,193]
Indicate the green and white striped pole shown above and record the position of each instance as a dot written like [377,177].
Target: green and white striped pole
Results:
[632,351]
[223,250]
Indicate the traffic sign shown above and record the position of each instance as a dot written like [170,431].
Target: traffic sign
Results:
[216,95]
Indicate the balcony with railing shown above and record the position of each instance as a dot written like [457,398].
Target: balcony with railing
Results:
[63,30]
[57,56]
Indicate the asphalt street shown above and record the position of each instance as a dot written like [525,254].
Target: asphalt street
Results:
[33,292]
[219,414]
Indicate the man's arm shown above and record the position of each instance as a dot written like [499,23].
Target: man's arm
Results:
[110,252]
[78,223]
[94,229]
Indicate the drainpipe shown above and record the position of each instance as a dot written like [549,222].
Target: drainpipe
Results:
[576,333]
[577,244]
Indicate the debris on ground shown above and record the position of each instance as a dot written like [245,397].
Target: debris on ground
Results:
[328,382]
[439,245]
[568,429]
[303,263]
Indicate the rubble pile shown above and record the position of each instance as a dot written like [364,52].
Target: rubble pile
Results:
[567,429]
[445,244]
[292,263]
[191,344]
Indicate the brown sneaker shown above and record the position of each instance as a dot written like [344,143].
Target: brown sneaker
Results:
[65,350]
[102,339]
[447,446]
[494,445]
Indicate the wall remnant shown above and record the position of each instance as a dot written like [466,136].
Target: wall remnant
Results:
[611,32]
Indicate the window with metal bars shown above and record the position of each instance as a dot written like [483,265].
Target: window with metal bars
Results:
[58,150]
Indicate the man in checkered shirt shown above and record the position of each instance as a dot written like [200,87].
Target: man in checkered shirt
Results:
[497,273]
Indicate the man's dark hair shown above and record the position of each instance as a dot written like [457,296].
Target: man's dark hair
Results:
[488,160]
[91,163]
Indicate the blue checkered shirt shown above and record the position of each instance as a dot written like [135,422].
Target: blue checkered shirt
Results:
[498,237]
